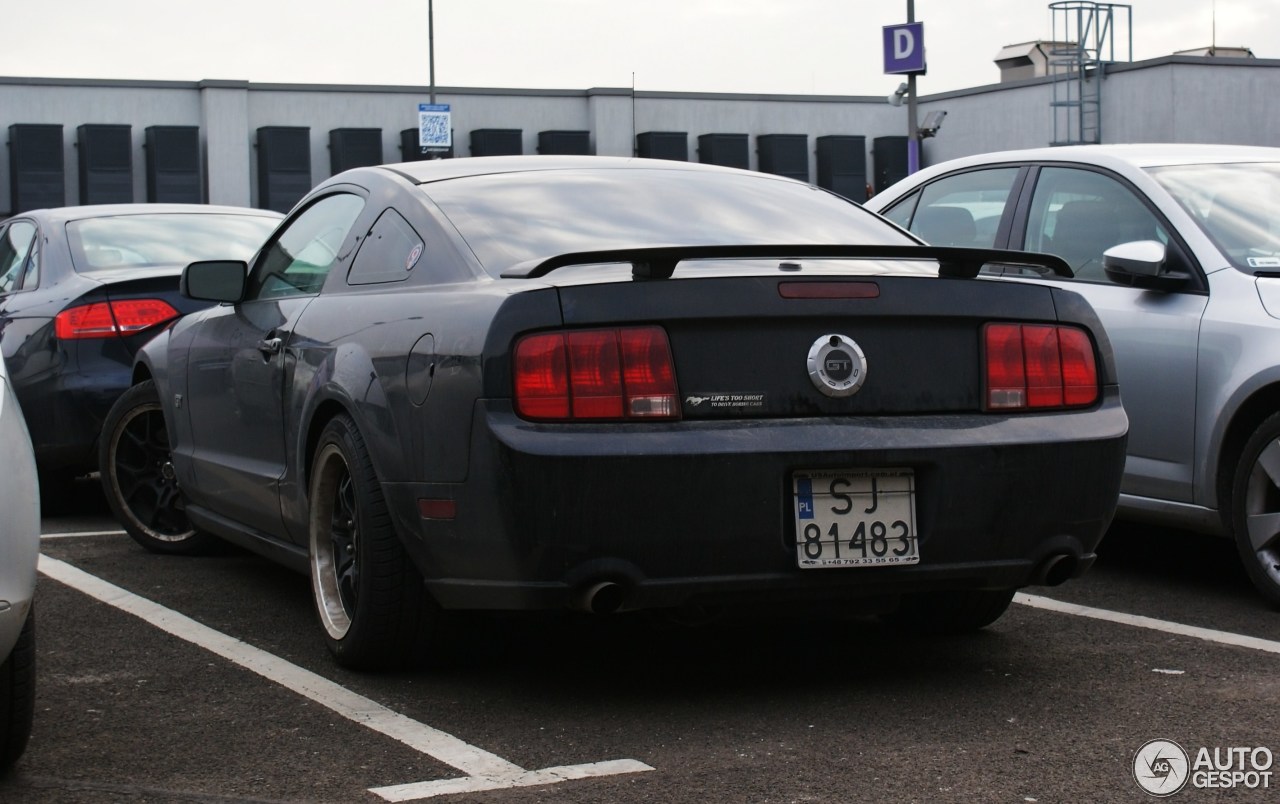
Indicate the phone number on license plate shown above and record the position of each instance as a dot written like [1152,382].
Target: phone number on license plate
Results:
[855,518]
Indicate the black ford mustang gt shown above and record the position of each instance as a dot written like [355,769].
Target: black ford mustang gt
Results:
[538,382]
[81,289]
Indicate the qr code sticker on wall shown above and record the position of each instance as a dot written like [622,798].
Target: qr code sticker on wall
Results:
[434,130]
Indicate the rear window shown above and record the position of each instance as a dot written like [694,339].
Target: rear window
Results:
[509,219]
[132,241]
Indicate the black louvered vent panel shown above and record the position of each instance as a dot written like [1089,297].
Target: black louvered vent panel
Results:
[842,165]
[106,163]
[729,150]
[784,155]
[353,148]
[663,145]
[284,166]
[173,165]
[36,175]
[497,142]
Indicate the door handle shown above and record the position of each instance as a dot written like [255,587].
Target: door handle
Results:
[270,346]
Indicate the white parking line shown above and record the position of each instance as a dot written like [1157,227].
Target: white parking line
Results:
[485,771]
[1138,621]
[82,534]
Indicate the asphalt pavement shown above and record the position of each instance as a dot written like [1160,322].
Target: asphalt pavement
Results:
[171,679]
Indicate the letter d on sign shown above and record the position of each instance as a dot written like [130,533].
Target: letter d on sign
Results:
[904,43]
[904,48]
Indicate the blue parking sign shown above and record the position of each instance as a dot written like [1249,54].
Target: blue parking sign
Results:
[904,48]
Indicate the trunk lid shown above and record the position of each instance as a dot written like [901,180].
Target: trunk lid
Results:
[779,345]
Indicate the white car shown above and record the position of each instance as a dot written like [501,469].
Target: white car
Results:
[19,551]
[1177,248]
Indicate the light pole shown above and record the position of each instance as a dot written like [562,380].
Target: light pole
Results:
[431,47]
[913,130]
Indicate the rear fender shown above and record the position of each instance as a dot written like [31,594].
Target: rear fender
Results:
[339,381]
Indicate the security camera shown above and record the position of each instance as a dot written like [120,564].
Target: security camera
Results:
[896,98]
[932,122]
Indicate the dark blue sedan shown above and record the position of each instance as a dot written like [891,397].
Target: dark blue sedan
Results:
[81,288]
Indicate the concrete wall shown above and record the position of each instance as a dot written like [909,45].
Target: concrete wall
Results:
[1173,99]
[1188,99]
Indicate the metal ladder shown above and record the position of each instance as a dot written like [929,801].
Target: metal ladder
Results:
[1083,45]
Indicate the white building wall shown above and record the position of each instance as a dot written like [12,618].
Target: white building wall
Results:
[224,118]
[1194,100]
[72,104]
[1173,99]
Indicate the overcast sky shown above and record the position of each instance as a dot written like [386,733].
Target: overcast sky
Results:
[829,47]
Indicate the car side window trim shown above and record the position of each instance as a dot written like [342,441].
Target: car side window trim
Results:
[13,276]
[1021,219]
[288,266]
[1014,207]
[390,250]
[955,183]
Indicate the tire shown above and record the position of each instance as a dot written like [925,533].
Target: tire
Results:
[370,598]
[957,612]
[18,695]
[1255,508]
[138,479]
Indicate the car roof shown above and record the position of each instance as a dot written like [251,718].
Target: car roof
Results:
[1139,155]
[63,214]
[433,170]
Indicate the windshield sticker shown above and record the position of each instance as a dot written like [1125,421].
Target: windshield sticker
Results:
[1264,262]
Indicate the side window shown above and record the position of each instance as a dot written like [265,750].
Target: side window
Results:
[31,276]
[297,262]
[900,213]
[16,243]
[1078,214]
[964,209]
[388,254]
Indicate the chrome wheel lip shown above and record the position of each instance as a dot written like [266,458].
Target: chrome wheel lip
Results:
[326,583]
[164,483]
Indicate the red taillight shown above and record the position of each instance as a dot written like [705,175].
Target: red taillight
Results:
[110,319]
[1039,366]
[595,375]
[599,374]
[542,377]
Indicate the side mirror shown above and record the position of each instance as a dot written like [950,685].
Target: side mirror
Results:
[1141,257]
[1141,264]
[214,280]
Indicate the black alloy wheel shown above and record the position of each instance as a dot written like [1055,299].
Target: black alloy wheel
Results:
[138,478]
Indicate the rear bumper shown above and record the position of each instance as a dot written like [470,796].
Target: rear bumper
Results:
[698,512]
[65,407]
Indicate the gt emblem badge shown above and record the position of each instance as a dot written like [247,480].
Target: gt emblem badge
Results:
[837,366]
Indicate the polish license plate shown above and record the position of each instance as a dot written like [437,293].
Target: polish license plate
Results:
[862,518]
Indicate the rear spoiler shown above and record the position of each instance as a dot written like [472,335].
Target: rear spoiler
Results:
[660,262]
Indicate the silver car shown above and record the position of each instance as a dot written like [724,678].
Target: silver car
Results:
[1177,247]
[19,550]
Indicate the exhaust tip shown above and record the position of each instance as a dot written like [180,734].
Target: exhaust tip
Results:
[603,597]
[1057,570]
